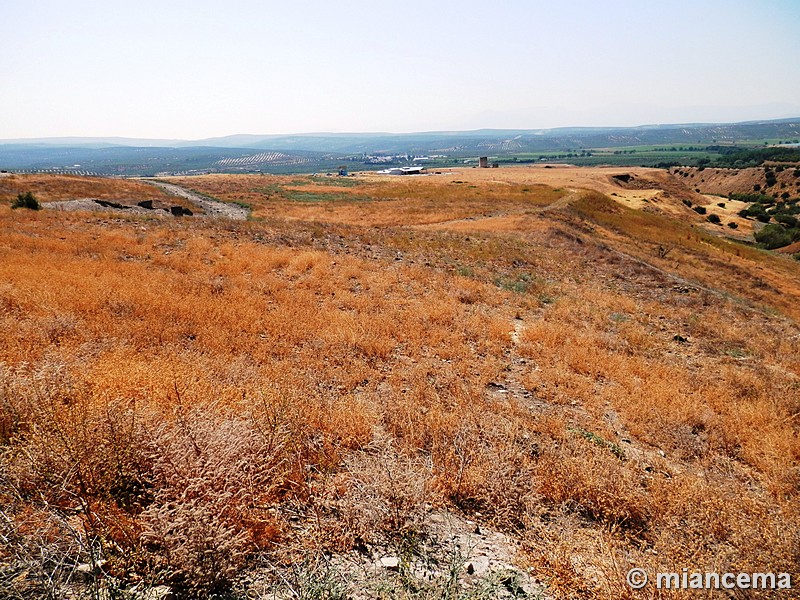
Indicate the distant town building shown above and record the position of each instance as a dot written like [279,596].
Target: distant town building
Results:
[404,171]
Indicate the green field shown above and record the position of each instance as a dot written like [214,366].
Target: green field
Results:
[752,153]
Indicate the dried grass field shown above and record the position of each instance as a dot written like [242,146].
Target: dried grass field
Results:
[230,407]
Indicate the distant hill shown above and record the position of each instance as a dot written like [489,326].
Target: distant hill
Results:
[530,140]
[316,151]
[135,160]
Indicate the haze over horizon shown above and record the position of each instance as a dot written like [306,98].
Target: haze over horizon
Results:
[195,70]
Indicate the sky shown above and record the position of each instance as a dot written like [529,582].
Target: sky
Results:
[197,69]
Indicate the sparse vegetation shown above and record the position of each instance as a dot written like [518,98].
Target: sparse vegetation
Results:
[765,209]
[190,403]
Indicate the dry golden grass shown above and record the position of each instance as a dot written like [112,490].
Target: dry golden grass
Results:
[371,200]
[48,188]
[188,395]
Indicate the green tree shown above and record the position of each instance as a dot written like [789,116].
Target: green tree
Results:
[773,236]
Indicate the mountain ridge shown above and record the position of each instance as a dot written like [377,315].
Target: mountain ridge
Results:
[246,140]
[326,151]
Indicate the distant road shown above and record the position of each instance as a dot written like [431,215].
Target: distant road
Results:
[212,208]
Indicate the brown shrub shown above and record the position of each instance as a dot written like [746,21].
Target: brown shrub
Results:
[379,493]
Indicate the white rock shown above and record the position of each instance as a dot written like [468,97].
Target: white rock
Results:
[478,566]
[392,563]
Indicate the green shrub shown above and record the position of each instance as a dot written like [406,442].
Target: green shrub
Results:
[700,210]
[733,225]
[26,200]
[773,236]
[758,211]
[712,218]
[760,198]
[787,220]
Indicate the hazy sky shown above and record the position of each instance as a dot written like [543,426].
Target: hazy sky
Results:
[195,69]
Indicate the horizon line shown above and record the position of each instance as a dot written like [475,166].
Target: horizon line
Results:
[389,133]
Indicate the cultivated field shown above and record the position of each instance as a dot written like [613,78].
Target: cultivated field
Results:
[574,372]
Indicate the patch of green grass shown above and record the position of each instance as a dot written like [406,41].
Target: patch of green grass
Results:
[615,449]
[279,192]
[736,352]
[518,283]
[465,271]
[420,575]
[315,581]
[303,196]
[347,182]
[273,189]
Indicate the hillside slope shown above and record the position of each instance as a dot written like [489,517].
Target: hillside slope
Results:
[483,383]
[722,182]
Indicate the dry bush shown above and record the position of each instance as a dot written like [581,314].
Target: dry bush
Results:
[585,479]
[182,492]
[61,460]
[485,464]
[380,492]
[651,519]
[68,449]
[45,552]
[213,477]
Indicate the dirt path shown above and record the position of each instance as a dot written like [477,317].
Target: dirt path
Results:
[212,208]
